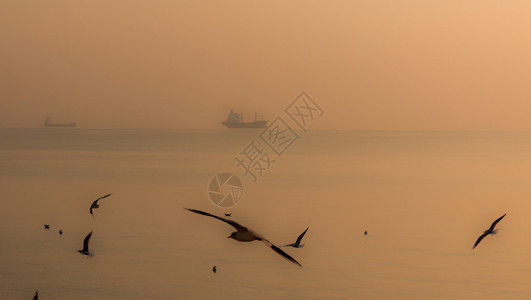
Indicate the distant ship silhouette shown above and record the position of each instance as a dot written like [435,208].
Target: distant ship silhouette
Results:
[235,120]
[47,123]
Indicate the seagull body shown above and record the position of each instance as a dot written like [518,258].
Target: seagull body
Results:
[46,226]
[36,297]
[245,235]
[297,243]
[60,232]
[488,231]
[85,250]
[95,204]
[214,269]
[365,232]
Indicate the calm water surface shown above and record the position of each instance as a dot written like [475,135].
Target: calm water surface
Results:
[423,197]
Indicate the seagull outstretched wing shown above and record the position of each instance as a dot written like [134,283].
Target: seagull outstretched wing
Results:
[299,239]
[479,239]
[102,197]
[86,242]
[496,222]
[279,251]
[231,222]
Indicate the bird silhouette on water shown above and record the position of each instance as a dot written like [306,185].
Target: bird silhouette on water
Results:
[489,231]
[46,226]
[214,269]
[95,204]
[85,250]
[297,243]
[36,296]
[245,235]
[60,232]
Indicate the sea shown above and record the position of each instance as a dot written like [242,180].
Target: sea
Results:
[423,197]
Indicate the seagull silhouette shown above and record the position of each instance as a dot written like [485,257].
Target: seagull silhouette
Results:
[488,231]
[365,232]
[36,297]
[228,215]
[95,205]
[60,232]
[85,250]
[297,243]
[245,235]
[46,226]
[214,269]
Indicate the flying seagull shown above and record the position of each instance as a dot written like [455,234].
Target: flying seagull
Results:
[245,235]
[95,203]
[85,250]
[489,231]
[297,243]
[36,297]
[214,269]
[46,226]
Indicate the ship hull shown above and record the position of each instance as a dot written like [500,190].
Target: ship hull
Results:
[60,125]
[255,124]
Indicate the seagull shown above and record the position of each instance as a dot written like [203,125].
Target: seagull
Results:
[297,243]
[60,232]
[85,250]
[36,297]
[489,231]
[228,215]
[214,269]
[245,235]
[46,226]
[365,232]
[95,203]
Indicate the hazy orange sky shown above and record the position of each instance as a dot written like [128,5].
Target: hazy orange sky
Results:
[420,65]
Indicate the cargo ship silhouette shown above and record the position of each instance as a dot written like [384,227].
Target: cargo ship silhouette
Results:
[47,123]
[235,120]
